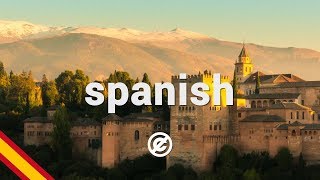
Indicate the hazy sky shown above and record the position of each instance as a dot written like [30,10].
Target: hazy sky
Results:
[280,23]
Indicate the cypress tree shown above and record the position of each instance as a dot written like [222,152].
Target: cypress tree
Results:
[258,83]
[235,85]
[2,72]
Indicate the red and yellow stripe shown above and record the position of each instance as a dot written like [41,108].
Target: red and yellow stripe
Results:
[19,162]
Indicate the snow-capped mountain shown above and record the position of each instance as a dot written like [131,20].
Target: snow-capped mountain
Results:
[135,35]
[16,30]
[20,29]
[99,51]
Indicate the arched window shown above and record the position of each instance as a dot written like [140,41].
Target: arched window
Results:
[259,104]
[302,115]
[136,135]
[265,103]
[297,114]
[253,104]
[291,115]
[293,133]
[272,102]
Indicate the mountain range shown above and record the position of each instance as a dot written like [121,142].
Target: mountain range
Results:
[100,51]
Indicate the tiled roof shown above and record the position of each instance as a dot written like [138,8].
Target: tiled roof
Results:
[273,78]
[140,117]
[251,109]
[289,105]
[311,127]
[299,84]
[252,77]
[37,119]
[112,117]
[273,96]
[283,127]
[296,123]
[263,118]
[243,52]
[85,122]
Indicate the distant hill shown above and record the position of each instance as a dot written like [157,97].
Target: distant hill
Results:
[99,51]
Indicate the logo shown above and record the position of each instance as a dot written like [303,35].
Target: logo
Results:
[19,162]
[160,144]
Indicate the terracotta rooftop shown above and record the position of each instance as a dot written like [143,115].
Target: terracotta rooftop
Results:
[289,105]
[140,117]
[300,84]
[311,127]
[37,119]
[85,122]
[273,96]
[263,118]
[273,78]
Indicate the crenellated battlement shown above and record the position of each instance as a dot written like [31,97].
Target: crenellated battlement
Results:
[205,77]
[192,78]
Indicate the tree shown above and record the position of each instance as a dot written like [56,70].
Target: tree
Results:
[258,83]
[24,90]
[71,88]
[2,71]
[284,159]
[61,141]
[49,92]
[299,173]
[137,80]
[64,86]
[44,78]
[251,174]
[235,85]
[4,85]
[124,77]
[227,162]
[146,80]
[27,106]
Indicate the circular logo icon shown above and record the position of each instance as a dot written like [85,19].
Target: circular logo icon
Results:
[160,144]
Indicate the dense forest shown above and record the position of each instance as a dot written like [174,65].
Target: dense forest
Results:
[22,97]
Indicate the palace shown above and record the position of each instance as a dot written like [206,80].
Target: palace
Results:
[270,111]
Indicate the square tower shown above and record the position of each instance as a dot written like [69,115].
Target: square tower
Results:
[243,66]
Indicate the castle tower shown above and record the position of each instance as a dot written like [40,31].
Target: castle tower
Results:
[243,65]
[110,141]
[189,124]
